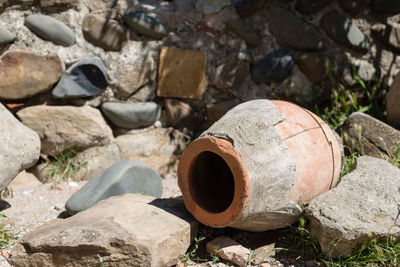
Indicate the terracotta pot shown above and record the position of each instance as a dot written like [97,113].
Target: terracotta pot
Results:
[256,166]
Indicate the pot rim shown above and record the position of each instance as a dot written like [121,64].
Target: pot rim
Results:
[226,151]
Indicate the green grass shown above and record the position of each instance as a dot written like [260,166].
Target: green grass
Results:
[6,236]
[62,165]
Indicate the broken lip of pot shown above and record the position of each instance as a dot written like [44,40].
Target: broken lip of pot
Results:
[223,154]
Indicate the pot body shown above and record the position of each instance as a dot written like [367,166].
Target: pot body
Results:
[256,166]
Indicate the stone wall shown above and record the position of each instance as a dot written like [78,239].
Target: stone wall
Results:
[195,58]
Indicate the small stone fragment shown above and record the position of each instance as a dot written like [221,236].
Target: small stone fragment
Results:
[342,30]
[292,31]
[311,7]
[392,103]
[208,7]
[181,73]
[314,65]
[369,136]
[128,176]
[83,79]
[50,29]
[179,112]
[24,74]
[103,32]
[62,127]
[127,230]
[263,253]
[244,30]
[132,115]
[385,7]
[146,25]
[229,250]
[24,178]
[275,67]
[5,36]
[363,206]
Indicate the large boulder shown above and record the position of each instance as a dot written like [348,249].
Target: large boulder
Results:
[62,127]
[19,147]
[127,230]
[362,207]
[24,74]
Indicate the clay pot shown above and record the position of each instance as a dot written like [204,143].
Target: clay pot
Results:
[255,167]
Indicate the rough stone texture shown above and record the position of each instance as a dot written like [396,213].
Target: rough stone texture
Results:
[103,32]
[83,79]
[309,7]
[385,7]
[24,74]
[132,115]
[353,7]
[24,179]
[362,207]
[231,73]
[5,36]
[128,230]
[369,136]
[157,147]
[267,161]
[181,73]
[293,32]
[314,65]
[207,7]
[217,110]
[19,147]
[146,25]
[244,30]
[61,127]
[50,29]
[342,30]
[229,250]
[275,67]
[263,253]
[389,35]
[392,103]
[128,176]
[180,113]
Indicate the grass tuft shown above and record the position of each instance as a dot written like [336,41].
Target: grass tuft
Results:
[62,164]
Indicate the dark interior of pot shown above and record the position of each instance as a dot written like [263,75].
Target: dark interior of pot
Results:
[211,182]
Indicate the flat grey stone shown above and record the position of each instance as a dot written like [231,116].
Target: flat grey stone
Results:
[244,30]
[310,7]
[132,115]
[342,30]
[369,136]
[146,25]
[385,7]
[275,67]
[292,31]
[83,79]
[125,231]
[128,176]
[365,205]
[5,36]
[50,29]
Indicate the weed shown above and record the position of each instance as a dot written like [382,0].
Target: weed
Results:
[62,164]
[214,256]
[6,237]
[191,256]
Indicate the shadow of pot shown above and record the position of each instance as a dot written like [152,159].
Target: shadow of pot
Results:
[255,167]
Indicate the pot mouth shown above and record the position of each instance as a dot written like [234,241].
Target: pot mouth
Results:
[214,181]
